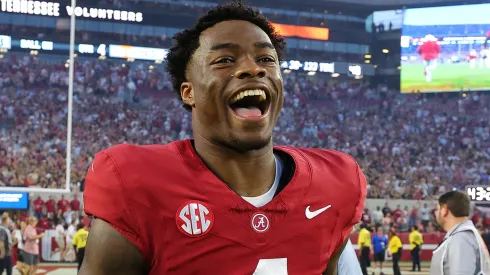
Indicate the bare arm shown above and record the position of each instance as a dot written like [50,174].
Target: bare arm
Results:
[334,260]
[108,252]
[2,250]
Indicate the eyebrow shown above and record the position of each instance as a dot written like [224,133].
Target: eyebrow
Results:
[221,46]
[263,45]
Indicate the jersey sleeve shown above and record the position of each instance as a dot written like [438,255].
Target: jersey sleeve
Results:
[105,198]
[352,213]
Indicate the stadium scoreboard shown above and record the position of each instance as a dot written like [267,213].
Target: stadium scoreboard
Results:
[114,51]
[479,193]
[8,43]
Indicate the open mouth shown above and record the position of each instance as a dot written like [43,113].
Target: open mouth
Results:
[250,103]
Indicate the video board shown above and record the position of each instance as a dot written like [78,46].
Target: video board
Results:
[446,49]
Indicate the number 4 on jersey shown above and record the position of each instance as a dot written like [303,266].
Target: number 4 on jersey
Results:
[277,266]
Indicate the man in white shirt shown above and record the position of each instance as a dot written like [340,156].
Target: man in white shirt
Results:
[377,216]
[425,215]
[60,240]
[70,233]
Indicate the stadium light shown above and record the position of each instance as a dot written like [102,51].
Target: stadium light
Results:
[386,51]
[367,61]
[286,71]
[367,56]
[311,73]
[335,75]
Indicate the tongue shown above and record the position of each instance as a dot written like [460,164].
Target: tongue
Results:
[248,112]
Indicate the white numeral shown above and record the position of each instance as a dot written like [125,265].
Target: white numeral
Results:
[272,267]
[102,50]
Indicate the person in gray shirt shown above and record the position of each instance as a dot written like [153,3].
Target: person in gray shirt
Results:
[5,246]
[462,250]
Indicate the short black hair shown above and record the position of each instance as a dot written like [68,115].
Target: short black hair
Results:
[457,202]
[187,41]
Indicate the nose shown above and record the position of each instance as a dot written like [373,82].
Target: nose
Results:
[250,69]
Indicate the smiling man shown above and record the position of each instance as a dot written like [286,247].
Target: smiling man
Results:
[227,201]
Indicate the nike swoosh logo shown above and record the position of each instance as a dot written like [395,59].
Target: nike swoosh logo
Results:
[311,214]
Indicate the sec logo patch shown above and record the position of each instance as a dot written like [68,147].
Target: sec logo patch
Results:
[194,218]
[260,223]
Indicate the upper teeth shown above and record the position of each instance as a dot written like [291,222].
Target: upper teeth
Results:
[243,94]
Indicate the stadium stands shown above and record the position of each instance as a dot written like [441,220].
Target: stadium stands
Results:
[409,146]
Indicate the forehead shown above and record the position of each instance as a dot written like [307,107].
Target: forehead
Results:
[243,33]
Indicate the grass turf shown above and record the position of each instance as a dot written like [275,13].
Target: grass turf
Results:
[446,77]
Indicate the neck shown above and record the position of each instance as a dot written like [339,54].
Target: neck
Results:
[249,174]
[451,223]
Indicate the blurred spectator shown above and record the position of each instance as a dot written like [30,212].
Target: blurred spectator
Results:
[386,210]
[63,204]
[425,215]
[75,203]
[366,218]
[377,217]
[38,207]
[50,206]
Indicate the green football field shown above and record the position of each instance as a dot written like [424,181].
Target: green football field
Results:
[446,77]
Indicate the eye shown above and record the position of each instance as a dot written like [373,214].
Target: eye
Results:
[267,59]
[224,60]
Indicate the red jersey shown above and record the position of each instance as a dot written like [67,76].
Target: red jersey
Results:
[75,205]
[62,204]
[38,205]
[397,214]
[429,50]
[184,220]
[366,218]
[43,225]
[50,206]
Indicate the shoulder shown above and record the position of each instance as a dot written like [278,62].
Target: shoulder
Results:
[464,238]
[118,164]
[129,154]
[327,157]
[330,161]
[342,171]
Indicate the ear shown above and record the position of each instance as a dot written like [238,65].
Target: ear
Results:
[445,211]
[187,93]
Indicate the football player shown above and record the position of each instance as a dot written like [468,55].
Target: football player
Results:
[485,58]
[472,58]
[227,201]
[429,51]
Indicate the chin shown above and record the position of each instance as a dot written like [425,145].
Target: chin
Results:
[246,143]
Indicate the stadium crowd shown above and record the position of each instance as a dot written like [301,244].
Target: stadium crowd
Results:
[409,146]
